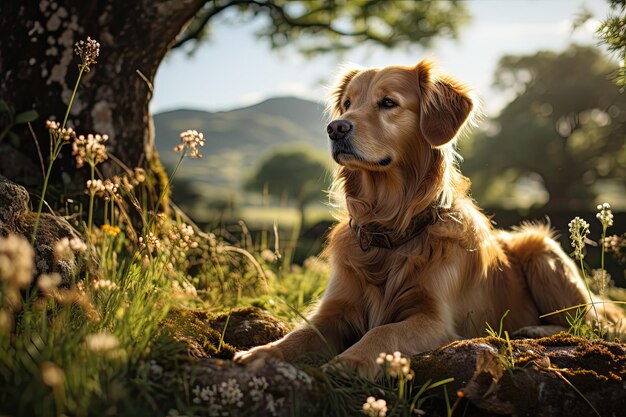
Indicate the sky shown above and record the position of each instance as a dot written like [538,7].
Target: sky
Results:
[235,69]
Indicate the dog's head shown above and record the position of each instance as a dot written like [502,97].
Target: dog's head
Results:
[383,116]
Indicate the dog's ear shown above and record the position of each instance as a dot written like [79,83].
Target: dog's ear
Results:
[444,105]
[337,94]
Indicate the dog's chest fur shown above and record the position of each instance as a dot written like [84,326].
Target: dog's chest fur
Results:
[394,283]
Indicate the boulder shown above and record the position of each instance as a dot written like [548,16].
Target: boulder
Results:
[16,217]
[561,375]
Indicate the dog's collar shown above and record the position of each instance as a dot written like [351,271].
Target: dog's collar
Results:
[370,234]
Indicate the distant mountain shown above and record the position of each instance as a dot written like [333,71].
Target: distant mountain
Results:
[237,140]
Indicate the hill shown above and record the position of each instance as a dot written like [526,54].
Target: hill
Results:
[236,142]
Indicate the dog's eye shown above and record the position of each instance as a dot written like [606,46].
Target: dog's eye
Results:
[346,104]
[387,103]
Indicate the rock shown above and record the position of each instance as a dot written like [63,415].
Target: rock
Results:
[249,327]
[14,203]
[559,375]
[19,167]
[218,386]
[17,218]
[201,330]
[275,390]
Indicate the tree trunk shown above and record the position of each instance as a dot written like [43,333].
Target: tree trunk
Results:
[38,69]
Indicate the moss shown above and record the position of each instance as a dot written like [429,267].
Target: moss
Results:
[201,330]
[200,339]
[540,383]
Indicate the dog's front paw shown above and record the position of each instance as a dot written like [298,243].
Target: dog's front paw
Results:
[256,357]
[346,363]
[535,332]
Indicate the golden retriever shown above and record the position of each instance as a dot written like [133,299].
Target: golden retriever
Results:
[415,263]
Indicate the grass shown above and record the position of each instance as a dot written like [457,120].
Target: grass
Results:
[117,339]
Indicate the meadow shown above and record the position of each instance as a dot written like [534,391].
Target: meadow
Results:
[136,310]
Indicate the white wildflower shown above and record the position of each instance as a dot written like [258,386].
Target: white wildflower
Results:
[190,140]
[101,342]
[395,365]
[95,187]
[77,245]
[88,52]
[150,242]
[605,215]
[64,247]
[578,229]
[292,374]
[48,282]
[230,393]
[66,134]
[90,149]
[103,284]
[16,261]
[375,408]
[51,374]
[257,386]
[272,405]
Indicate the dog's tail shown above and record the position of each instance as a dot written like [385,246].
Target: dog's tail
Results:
[554,279]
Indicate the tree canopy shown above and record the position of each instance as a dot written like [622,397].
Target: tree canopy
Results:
[298,175]
[565,130]
[335,25]
[612,33]
[38,70]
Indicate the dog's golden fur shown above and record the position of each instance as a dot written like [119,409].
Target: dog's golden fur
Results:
[396,161]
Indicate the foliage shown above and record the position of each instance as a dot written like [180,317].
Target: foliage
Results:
[563,131]
[612,32]
[324,26]
[298,175]
[599,279]
[8,119]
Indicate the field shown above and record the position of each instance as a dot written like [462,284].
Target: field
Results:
[126,288]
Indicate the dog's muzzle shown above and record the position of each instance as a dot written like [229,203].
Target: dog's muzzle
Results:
[339,129]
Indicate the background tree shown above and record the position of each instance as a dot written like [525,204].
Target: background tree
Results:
[564,130]
[37,67]
[298,175]
[612,33]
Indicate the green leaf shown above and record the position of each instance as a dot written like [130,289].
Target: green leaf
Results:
[14,139]
[4,107]
[26,117]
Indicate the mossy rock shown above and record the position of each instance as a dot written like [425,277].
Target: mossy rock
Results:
[248,327]
[201,330]
[561,375]
[17,218]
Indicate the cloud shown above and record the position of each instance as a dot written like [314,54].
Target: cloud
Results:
[253,97]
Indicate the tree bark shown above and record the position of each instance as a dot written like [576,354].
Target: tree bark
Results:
[38,69]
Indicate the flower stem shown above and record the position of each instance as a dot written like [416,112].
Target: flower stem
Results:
[69,106]
[53,155]
[91,198]
[55,147]
[604,283]
[593,305]
[167,185]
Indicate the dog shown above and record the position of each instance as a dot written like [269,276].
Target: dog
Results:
[416,264]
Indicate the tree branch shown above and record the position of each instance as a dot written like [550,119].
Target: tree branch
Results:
[205,20]
[279,16]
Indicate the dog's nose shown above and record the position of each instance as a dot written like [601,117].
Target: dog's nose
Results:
[338,129]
